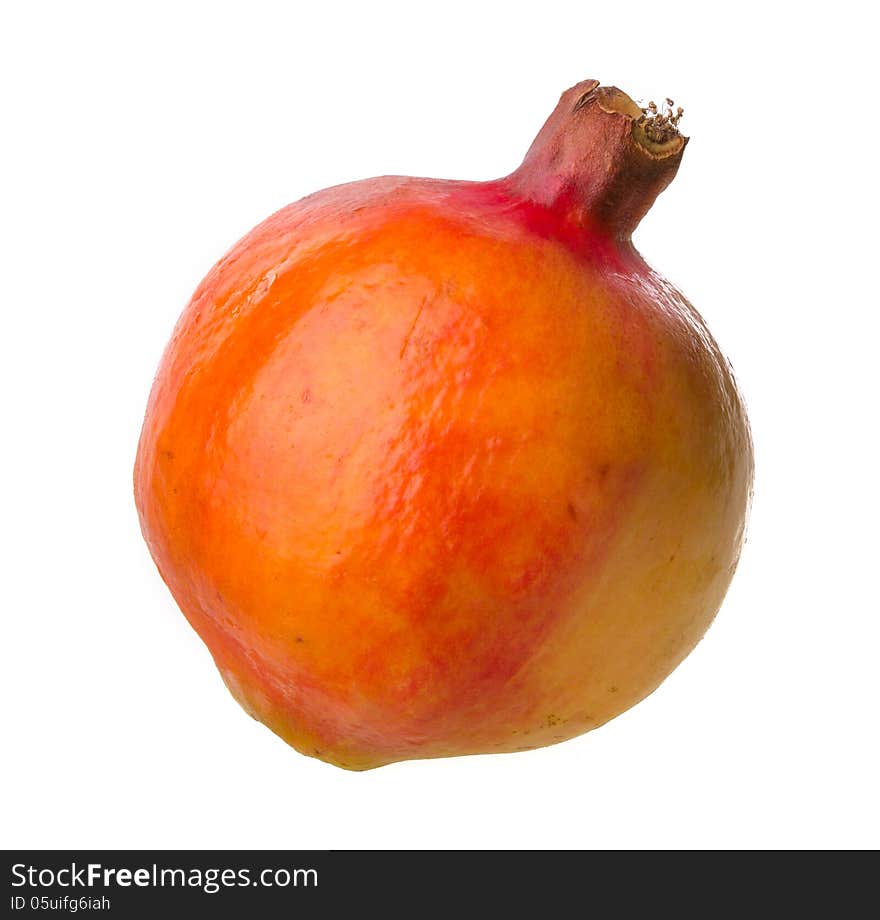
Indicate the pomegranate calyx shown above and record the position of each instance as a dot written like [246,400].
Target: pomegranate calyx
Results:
[600,159]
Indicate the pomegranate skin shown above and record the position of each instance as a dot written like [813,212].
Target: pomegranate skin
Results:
[440,468]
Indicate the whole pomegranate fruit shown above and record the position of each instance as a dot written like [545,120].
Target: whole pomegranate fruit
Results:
[442,468]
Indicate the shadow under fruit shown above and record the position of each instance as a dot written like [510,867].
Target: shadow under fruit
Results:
[439,467]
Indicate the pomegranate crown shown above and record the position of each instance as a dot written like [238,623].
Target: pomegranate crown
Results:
[602,158]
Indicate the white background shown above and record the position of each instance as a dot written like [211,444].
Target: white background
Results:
[139,141]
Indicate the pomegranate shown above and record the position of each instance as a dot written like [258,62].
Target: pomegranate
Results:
[444,467]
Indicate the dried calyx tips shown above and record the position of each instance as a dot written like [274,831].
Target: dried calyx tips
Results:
[654,129]
[660,125]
